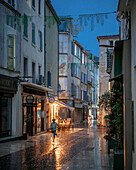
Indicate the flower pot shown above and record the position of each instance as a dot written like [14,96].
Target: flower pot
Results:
[118,163]
[111,145]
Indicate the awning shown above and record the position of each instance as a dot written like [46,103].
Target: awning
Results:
[64,105]
[36,87]
[117,78]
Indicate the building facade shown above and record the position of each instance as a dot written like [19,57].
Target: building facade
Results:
[73,74]
[52,60]
[126,17]
[10,56]
[105,43]
[29,67]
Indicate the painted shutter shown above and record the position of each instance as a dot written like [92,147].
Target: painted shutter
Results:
[59,88]
[73,48]
[33,33]
[49,79]
[75,69]
[40,40]
[25,25]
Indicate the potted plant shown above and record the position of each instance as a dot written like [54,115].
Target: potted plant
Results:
[115,127]
[118,122]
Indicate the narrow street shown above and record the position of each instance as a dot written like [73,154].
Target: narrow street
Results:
[80,148]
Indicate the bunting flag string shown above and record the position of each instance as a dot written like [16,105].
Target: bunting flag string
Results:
[77,25]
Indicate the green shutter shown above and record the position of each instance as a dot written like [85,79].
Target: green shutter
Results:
[40,40]
[7,20]
[25,26]
[118,63]
[33,33]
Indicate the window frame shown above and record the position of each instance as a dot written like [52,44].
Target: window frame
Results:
[13,57]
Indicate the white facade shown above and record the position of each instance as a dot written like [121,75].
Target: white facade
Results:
[10,57]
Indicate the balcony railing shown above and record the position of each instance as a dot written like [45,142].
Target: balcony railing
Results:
[64,93]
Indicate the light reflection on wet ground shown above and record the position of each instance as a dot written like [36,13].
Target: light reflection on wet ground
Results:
[83,148]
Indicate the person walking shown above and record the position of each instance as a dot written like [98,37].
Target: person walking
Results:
[89,121]
[53,128]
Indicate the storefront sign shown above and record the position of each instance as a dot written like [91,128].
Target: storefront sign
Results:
[8,83]
[51,99]
[29,104]
[30,99]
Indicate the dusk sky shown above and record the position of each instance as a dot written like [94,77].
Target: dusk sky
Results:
[88,38]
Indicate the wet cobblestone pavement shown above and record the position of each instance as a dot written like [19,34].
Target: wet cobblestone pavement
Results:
[78,149]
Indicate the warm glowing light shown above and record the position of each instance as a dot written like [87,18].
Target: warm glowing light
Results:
[109,87]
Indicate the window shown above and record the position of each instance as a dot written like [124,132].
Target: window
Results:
[75,93]
[78,71]
[39,7]
[78,92]
[73,48]
[74,69]
[25,26]
[33,3]
[83,58]
[39,70]
[11,52]
[40,40]
[5,116]
[33,72]
[85,95]
[111,43]
[72,89]
[85,78]
[33,33]
[82,77]
[59,88]
[25,67]
[12,2]
[49,79]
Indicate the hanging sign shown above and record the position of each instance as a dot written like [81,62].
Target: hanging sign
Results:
[29,99]
[51,99]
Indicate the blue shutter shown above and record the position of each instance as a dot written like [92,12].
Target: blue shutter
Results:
[75,91]
[40,40]
[81,56]
[49,79]
[25,26]
[59,88]
[75,69]
[73,48]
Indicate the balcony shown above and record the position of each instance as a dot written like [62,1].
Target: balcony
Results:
[64,94]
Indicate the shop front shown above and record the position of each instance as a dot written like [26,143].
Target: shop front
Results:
[78,117]
[59,110]
[85,111]
[34,108]
[8,89]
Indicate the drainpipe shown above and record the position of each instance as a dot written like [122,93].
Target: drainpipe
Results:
[44,43]
[58,61]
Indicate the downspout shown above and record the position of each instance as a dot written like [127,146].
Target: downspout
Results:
[58,60]
[44,42]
